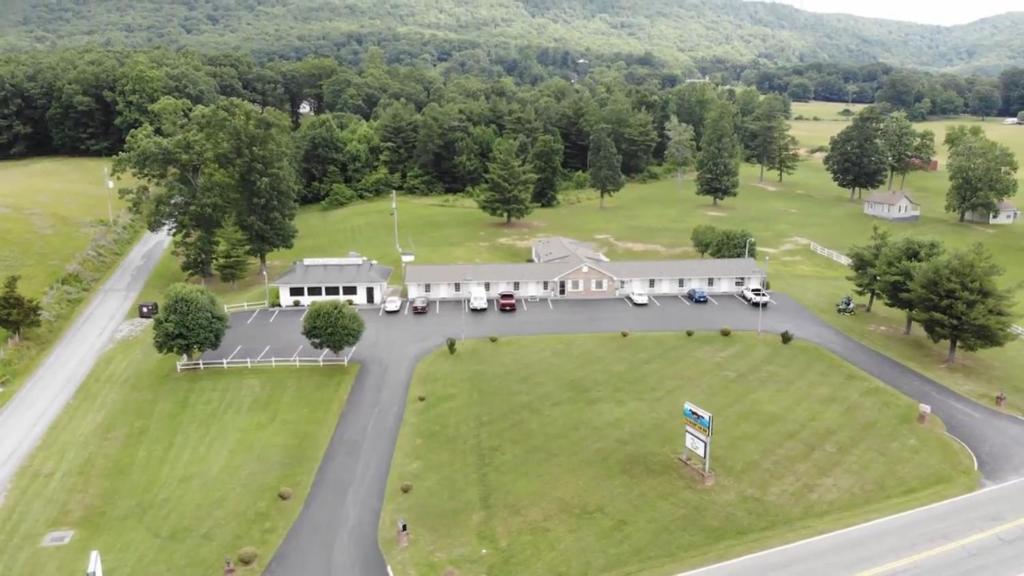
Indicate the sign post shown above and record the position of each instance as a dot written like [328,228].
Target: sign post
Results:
[699,429]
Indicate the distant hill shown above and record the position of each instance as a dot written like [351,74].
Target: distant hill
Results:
[685,31]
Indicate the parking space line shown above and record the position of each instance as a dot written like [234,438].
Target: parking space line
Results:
[253,317]
[495,304]
[713,301]
[628,303]
[437,307]
[550,305]
[685,301]
[258,358]
[524,304]
[381,312]
[296,355]
[275,314]
[655,300]
[235,352]
[740,298]
[406,308]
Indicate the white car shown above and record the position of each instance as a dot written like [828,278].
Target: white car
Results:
[756,296]
[477,299]
[392,304]
[638,297]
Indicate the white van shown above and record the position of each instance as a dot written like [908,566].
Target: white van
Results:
[477,298]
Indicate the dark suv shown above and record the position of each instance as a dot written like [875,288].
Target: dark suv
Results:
[507,301]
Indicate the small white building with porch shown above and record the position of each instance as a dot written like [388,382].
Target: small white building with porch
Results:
[1005,213]
[354,278]
[896,206]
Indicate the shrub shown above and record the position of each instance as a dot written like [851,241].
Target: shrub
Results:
[450,342]
[816,118]
[296,303]
[579,181]
[822,149]
[624,333]
[421,398]
[846,112]
[248,555]
[284,493]
[275,299]
[786,336]
[340,195]
[725,331]
[406,487]
[650,174]
[493,339]
[689,332]
[799,117]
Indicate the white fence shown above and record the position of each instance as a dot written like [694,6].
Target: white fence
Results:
[263,362]
[832,254]
[228,308]
[1018,330]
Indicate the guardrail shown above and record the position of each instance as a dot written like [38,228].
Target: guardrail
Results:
[228,308]
[832,254]
[262,362]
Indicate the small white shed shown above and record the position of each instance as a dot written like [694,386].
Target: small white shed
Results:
[896,206]
[1005,213]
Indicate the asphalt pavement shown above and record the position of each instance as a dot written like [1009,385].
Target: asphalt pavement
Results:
[25,419]
[336,532]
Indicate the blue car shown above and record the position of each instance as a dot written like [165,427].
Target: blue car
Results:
[697,296]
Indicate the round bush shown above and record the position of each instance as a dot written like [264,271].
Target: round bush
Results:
[406,487]
[786,337]
[248,555]
[421,398]
[689,332]
[625,333]
[725,331]
[284,493]
[493,339]
[451,343]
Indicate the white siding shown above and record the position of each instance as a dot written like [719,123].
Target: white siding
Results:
[379,291]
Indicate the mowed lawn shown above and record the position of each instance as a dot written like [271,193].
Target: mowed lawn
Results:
[48,211]
[168,473]
[523,463]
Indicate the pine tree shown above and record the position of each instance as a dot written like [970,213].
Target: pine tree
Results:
[785,157]
[546,163]
[681,149]
[509,184]
[604,164]
[718,166]
[232,262]
[17,312]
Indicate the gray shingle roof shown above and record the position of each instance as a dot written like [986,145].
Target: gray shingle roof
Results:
[330,274]
[891,198]
[711,267]
[718,268]
[560,249]
[1005,205]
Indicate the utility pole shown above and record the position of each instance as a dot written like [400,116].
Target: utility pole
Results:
[110,187]
[394,213]
[746,248]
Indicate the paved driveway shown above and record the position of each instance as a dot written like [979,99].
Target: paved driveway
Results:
[336,533]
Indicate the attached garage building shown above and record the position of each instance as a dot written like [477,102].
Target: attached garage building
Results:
[354,279]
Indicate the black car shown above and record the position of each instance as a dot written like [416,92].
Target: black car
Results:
[419,305]
[697,296]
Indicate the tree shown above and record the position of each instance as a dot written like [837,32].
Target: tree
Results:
[718,165]
[897,138]
[864,263]
[232,262]
[981,173]
[984,101]
[957,300]
[897,268]
[546,163]
[785,156]
[703,237]
[800,90]
[855,157]
[765,133]
[604,164]
[17,312]
[681,148]
[332,325]
[509,184]
[190,322]
[922,154]
[733,244]
[1011,90]
[320,147]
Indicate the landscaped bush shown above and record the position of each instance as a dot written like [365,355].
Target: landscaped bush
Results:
[725,331]
[247,556]
[493,339]
[822,149]
[689,332]
[421,398]
[285,493]
[451,343]
[275,299]
[406,487]
[624,333]
[786,336]
[340,195]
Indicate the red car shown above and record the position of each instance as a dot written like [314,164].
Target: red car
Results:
[419,305]
[507,302]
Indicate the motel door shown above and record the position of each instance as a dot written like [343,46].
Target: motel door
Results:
[561,287]
[369,294]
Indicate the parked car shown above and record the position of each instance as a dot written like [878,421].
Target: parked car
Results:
[638,297]
[697,296]
[419,305]
[507,302]
[477,299]
[756,296]
[392,304]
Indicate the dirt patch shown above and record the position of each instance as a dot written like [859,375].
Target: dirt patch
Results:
[713,213]
[518,224]
[130,329]
[768,187]
[517,241]
[791,258]
[794,243]
[642,247]
[983,229]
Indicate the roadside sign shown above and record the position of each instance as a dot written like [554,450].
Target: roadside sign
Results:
[697,420]
[696,445]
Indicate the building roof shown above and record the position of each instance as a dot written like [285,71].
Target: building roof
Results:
[1005,205]
[560,249]
[702,268]
[892,198]
[525,272]
[334,271]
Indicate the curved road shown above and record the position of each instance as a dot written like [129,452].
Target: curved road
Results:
[336,532]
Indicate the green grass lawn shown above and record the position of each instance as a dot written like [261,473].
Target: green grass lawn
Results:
[48,207]
[524,464]
[168,473]
[825,110]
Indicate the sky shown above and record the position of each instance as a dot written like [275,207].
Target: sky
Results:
[945,12]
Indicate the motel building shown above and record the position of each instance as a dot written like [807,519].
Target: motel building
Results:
[566,268]
[353,278]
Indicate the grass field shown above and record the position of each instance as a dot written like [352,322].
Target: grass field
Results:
[543,467]
[48,207]
[825,110]
[168,473]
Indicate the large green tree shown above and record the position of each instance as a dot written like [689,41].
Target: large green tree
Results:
[984,101]
[981,173]
[17,312]
[785,156]
[232,262]
[718,166]
[190,322]
[957,300]
[681,150]
[509,184]
[897,137]
[332,325]
[604,164]
[546,163]
[864,263]
[897,267]
[855,158]
[765,133]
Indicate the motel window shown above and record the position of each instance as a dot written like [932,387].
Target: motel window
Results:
[487,286]
[349,290]
[515,286]
[331,290]
[545,285]
[741,282]
[426,288]
[711,282]
[315,291]
[622,284]
[682,282]
[650,283]
[458,287]
[575,285]
[297,291]
[598,284]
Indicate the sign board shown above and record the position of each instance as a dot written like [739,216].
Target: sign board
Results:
[95,565]
[697,420]
[924,409]
[696,445]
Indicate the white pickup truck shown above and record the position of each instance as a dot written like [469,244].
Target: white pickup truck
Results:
[756,296]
